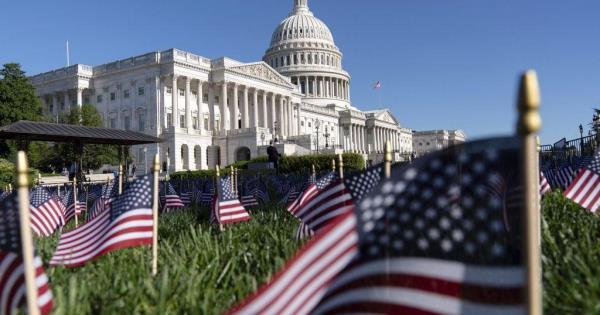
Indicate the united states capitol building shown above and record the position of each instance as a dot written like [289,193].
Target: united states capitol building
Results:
[219,111]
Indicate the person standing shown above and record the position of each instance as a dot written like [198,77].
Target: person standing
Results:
[133,169]
[273,156]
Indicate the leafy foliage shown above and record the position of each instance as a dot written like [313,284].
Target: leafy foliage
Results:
[289,164]
[201,270]
[18,101]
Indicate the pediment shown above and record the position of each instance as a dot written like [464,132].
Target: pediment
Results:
[261,70]
[388,117]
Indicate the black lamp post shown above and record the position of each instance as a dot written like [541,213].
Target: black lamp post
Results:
[317,126]
[581,138]
[326,135]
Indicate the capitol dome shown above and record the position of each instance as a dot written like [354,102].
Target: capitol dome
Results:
[302,48]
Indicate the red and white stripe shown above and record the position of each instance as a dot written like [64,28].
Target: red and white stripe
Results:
[299,286]
[231,211]
[101,235]
[100,205]
[299,202]
[72,211]
[249,201]
[585,190]
[414,285]
[47,218]
[544,185]
[12,284]
[171,202]
[318,208]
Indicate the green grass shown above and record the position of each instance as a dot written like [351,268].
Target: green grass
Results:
[201,270]
[204,271]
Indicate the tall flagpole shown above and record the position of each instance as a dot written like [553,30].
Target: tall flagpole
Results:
[68,55]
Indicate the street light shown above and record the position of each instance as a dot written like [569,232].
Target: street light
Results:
[145,161]
[581,138]
[275,129]
[326,135]
[317,126]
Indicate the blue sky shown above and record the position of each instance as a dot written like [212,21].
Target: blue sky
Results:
[442,64]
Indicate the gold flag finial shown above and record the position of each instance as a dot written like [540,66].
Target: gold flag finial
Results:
[333,165]
[156,164]
[529,104]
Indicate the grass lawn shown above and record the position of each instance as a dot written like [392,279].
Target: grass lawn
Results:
[204,271]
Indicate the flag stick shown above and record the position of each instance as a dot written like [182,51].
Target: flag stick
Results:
[217,192]
[120,178]
[314,173]
[341,166]
[75,200]
[26,238]
[333,165]
[387,160]
[155,170]
[528,125]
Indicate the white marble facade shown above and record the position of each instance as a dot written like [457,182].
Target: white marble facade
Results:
[219,111]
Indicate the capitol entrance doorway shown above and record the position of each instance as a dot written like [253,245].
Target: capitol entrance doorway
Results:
[242,154]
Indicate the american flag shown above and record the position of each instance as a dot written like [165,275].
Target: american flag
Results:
[169,199]
[111,189]
[187,197]
[72,208]
[127,224]
[303,231]
[226,208]
[585,189]
[12,276]
[438,237]
[328,198]
[564,175]
[544,185]
[47,212]
[100,205]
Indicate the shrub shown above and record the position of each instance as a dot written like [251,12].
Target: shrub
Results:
[288,164]
[7,174]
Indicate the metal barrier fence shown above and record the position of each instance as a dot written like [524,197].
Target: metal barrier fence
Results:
[564,151]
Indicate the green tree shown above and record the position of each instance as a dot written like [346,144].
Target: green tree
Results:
[18,101]
[91,156]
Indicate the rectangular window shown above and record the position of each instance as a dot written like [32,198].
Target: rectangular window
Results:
[126,94]
[141,156]
[181,92]
[216,100]
[169,120]
[99,99]
[205,122]
[141,91]
[113,96]
[169,90]
[195,123]
[205,98]
[127,123]
[51,108]
[62,105]
[113,123]
[182,121]
[142,122]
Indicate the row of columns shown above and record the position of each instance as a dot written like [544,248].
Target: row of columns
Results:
[355,141]
[276,109]
[381,135]
[330,87]
[66,96]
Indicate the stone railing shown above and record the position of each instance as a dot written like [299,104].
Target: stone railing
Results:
[150,58]
[319,109]
[71,71]
[183,56]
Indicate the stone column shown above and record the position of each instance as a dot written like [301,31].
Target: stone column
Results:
[274,113]
[314,86]
[234,110]
[200,114]
[211,107]
[223,104]
[246,111]
[188,105]
[255,109]
[298,120]
[175,102]
[55,104]
[265,122]
[79,97]
[351,138]
[282,124]
[67,99]
[348,92]
[290,117]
